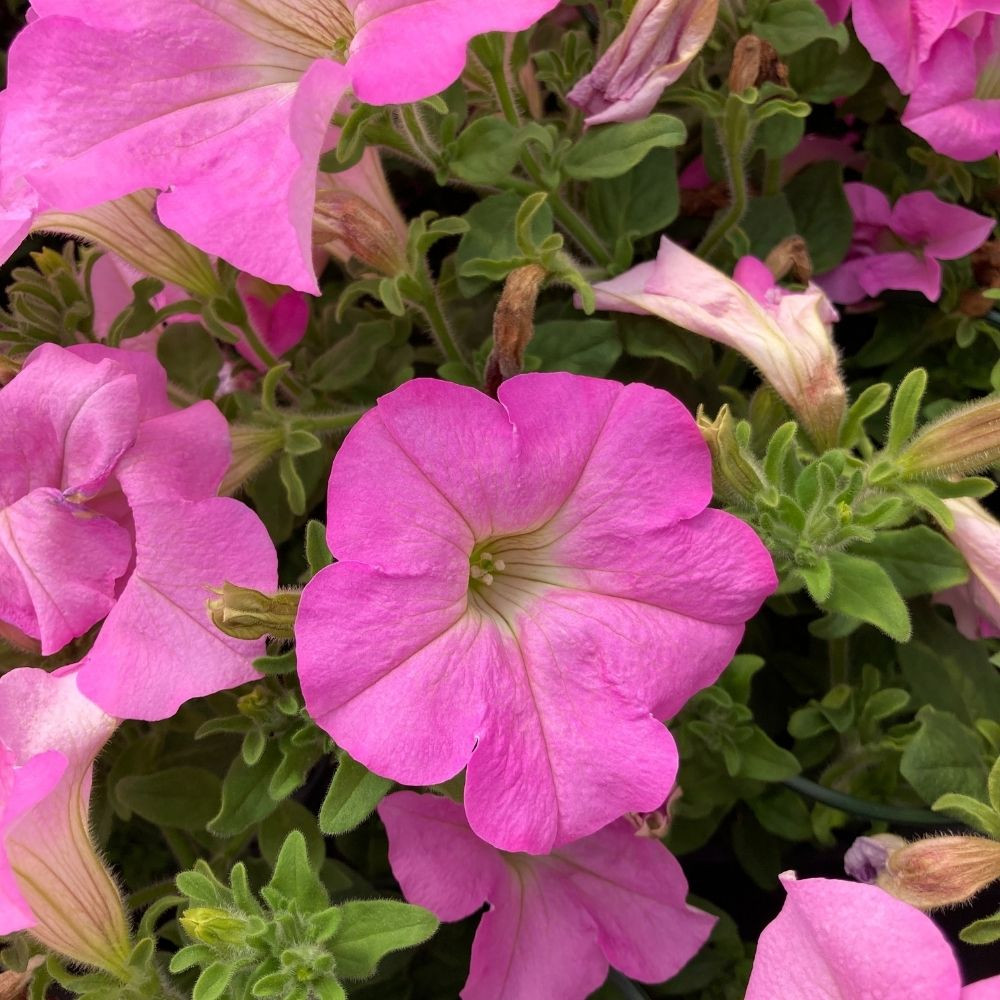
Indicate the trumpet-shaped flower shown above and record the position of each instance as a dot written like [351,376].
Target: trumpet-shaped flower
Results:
[556,922]
[531,584]
[786,335]
[837,940]
[976,603]
[52,883]
[658,43]
[223,106]
[900,246]
[108,511]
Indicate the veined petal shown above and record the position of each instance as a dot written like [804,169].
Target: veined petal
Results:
[158,647]
[943,230]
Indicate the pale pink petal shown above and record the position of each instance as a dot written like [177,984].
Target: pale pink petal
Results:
[899,33]
[158,647]
[406,50]
[903,271]
[943,108]
[180,456]
[943,230]
[374,647]
[59,564]
[869,205]
[190,121]
[754,276]
[151,377]
[64,423]
[635,892]
[838,940]
[985,989]
[435,857]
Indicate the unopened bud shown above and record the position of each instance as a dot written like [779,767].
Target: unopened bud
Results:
[941,871]
[755,62]
[343,218]
[867,857]
[513,325]
[961,442]
[735,476]
[14,985]
[252,448]
[211,925]
[248,614]
[790,259]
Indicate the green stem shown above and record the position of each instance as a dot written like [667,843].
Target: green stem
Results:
[430,305]
[292,386]
[505,97]
[737,208]
[417,137]
[866,810]
[329,423]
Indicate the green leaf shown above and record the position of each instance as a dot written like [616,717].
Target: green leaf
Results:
[976,814]
[790,25]
[985,931]
[354,793]
[862,589]
[645,337]
[352,357]
[491,237]
[318,554]
[245,799]
[182,797]
[584,347]
[822,216]
[486,152]
[944,757]
[768,220]
[823,71]
[763,760]
[372,929]
[213,981]
[295,490]
[905,409]
[611,150]
[993,785]
[191,357]
[638,202]
[294,876]
[818,579]
[274,830]
[919,560]
[870,402]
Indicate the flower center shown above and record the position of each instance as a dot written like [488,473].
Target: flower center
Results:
[483,567]
[988,83]
[313,28]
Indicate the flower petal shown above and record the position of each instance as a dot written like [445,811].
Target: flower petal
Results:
[158,647]
[943,230]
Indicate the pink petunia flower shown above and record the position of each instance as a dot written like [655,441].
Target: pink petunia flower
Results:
[223,107]
[838,940]
[108,511]
[899,247]
[786,335]
[976,603]
[555,922]
[955,100]
[52,883]
[659,41]
[525,587]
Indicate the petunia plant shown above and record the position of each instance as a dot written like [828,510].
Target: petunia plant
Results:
[497,500]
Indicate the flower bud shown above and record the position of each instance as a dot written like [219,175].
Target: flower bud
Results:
[790,258]
[252,448]
[961,442]
[867,857]
[248,614]
[129,227]
[513,325]
[8,369]
[658,43]
[210,925]
[14,985]
[347,220]
[941,871]
[755,62]
[735,475]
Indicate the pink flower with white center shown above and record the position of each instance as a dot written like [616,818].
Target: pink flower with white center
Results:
[52,883]
[900,246]
[955,100]
[660,40]
[108,510]
[555,922]
[838,940]
[525,587]
[223,105]
[786,335]
[976,603]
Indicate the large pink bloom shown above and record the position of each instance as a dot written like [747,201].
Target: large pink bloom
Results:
[557,922]
[786,335]
[108,508]
[838,940]
[51,879]
[525,587]
[976,603]
[900,246]
[223,105]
